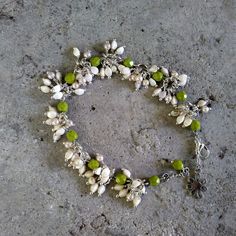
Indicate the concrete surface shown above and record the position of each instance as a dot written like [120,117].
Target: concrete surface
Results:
[38,195]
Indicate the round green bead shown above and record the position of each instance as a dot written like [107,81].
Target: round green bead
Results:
[71,135]
[93,164]
[181,96]
[95,61]
[177,165]
[69,78]
[62,106]
[196,125]
[128,62]
[157,76]
[121,178]
[154,180]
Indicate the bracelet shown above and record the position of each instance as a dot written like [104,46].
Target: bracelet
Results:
[167,87]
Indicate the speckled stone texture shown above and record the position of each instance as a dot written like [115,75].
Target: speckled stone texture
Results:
[38,194]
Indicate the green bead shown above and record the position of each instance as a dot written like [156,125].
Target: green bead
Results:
[128,62]
[181,96]
[93,164]
[71,135]
[157,76]
[121,178]
[95,61]
[70,78]
[196,125]
[62,106]
[177,165]
[154,180]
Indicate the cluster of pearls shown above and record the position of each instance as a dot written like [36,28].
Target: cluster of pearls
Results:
[98,177]
[52,83]
[132,190]
[59,121]
[186,113]
[172,82]
[167,86]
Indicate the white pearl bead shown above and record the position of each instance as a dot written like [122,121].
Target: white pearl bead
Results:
[97,171]
[60,132]
[46,82]
[50,75]
[69,154]
[76,52]
[174,101]
[153,68]
[136,201]
[108,72]
[104,179]
[91,180]
[120,50]
[78,163]
[105,172]
[48,122]
[125,71]
[57,96]
[174,73]
[56,137]
[88,174]
[101,190]
[114,69]
[126,172]
[107,45]
[102,73]
[182,79]
[58,75]
[45,89]
[162,95]
[180,119]
[118,187]
[79,91]
[55,121]
[94,70]
[56,88]
[82,169]
[201,103]
[145,83]
[156,92]
[113,44]
[152,82]
[82,81]
[205,109]
[99,157]
[87,54]
[51,114]
[75,85]
[93,188]
[138,77]
[187,122]
[164,71]
[174,113]
[123,193]
[88,78]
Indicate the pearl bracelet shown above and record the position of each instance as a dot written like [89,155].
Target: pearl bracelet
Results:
[167,86]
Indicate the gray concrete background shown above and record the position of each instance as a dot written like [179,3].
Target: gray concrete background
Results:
[38,195]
